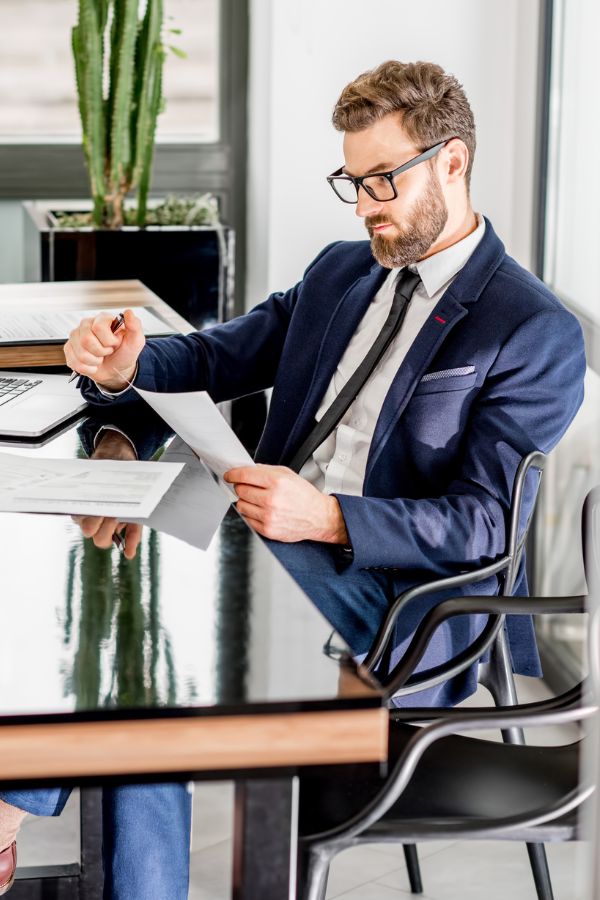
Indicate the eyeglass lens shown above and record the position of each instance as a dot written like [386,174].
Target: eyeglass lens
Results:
[377,186]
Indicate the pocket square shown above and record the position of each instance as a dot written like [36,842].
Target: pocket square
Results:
[448,373]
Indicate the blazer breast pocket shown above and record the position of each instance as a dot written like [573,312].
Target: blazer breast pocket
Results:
[457,379]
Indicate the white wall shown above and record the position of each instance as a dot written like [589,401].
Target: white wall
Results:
[304,52]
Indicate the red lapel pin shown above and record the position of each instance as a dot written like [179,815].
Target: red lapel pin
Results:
[438,319]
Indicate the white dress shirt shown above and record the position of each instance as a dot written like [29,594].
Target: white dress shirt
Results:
[339,464]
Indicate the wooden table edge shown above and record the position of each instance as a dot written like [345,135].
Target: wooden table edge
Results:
[130,747]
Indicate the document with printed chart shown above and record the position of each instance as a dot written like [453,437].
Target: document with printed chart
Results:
[102,487]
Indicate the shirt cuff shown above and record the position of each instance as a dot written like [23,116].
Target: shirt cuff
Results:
[118,430]
[112,395]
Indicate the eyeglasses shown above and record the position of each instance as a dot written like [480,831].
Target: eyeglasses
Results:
[380,185]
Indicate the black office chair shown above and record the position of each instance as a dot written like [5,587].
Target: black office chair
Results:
[495,674]
[461,786]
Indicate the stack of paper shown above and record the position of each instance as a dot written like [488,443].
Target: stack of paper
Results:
[100,487]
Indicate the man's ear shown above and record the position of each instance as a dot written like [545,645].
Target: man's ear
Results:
[455,161]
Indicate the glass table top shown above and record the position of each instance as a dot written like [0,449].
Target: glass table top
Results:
[204,617]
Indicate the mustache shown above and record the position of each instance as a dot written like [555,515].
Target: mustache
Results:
[372,221]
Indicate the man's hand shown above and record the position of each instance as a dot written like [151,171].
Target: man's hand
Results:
[106,358]
[112,445]
[101,529]
[281,505]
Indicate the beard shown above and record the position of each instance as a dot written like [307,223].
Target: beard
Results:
[422,227]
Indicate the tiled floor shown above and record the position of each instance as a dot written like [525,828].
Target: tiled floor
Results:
[450,870]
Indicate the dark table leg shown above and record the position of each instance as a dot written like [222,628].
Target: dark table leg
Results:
[91,880]
[265,839]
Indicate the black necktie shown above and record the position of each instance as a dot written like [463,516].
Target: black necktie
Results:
[405,285]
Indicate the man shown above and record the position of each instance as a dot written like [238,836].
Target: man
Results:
[456,363]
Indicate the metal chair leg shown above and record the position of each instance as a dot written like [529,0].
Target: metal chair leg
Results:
[314,886]
[413,868]
[497,677]
[541,873]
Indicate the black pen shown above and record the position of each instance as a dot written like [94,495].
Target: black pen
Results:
[116,323]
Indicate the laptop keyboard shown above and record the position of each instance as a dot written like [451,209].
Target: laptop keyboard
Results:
[11,388]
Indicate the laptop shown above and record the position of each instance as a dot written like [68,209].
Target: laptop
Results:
[32,403]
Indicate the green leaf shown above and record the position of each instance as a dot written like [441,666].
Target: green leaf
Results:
[178,51]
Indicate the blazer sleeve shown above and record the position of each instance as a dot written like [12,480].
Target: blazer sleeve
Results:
[229,360]
[526,403]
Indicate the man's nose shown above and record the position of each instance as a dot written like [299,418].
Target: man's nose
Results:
[366,205]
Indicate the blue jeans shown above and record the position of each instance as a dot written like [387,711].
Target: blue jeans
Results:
[355,601]
[146,836]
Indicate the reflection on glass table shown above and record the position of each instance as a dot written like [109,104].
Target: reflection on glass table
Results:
[197,657]
[203,614]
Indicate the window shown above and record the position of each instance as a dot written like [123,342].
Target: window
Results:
[572,227]
[37,81]
[201,143]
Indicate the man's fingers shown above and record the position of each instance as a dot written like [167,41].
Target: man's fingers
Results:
[84,352]
[73,362]
[89,524]
[257,495]
[88,359]
[104,535]
[102,529]
[100,331]
[96,337]
[133,325]
[133,536]
[259,476]
[255,524]
[249,510]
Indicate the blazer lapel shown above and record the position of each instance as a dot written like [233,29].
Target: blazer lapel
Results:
[450,309]
[446,313]
[336,337]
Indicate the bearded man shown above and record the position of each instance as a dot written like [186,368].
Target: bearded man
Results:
[410,374]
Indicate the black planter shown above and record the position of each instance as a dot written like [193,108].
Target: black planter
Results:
[190,268]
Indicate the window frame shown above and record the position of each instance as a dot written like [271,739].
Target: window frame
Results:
[543,188]
[55,169]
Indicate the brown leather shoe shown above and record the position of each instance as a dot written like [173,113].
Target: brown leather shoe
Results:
[8,864]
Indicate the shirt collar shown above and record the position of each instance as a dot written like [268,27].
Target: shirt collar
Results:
[437,270]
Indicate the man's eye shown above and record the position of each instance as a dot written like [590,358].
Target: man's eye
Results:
[377,181]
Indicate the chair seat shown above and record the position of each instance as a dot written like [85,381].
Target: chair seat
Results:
[458,778]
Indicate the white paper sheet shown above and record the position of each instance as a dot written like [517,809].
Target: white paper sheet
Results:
[194,506]
[56,325]
[196,419]
[103,487]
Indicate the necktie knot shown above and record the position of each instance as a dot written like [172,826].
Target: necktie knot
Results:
[403,291]
[406,283]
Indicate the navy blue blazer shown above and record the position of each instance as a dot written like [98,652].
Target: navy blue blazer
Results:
[495,372]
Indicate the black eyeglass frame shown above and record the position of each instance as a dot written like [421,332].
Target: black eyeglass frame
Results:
[358,181]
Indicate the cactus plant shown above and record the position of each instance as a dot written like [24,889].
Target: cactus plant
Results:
[119,56]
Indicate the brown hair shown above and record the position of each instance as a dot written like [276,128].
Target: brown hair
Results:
[433,104]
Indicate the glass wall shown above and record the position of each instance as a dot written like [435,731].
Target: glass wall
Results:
[572,269]
[572,264]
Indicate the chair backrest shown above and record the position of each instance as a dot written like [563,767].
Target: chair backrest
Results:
[517,532]
[590,534]
[591,557]
[507,567]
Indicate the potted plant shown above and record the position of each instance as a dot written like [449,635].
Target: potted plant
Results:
[178,247]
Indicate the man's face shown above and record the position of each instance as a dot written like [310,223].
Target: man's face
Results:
[401,230]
